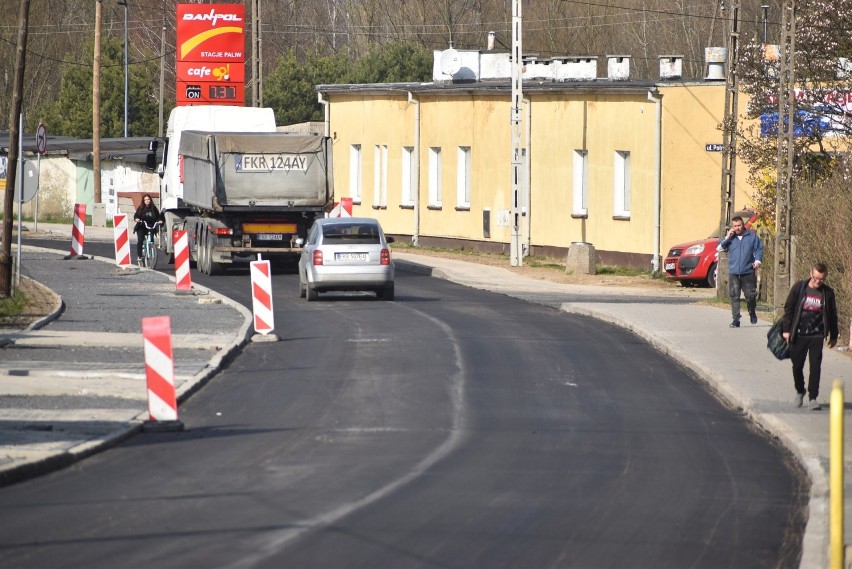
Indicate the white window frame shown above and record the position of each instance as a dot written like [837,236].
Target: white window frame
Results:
[463,177]
[435,176]
[580,195]
[407,190]
[355,173]
[621,184]
[380,175]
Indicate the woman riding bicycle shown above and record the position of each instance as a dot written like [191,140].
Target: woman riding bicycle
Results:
[146,215]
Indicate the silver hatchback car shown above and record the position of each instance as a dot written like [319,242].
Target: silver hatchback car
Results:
[346,253]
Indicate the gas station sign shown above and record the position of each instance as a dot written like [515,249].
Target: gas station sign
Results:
[210,54]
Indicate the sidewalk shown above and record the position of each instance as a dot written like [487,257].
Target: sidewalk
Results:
[52,412]
[74,382]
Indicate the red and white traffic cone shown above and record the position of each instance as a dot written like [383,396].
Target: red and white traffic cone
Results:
[261,294]
[122,240]
[160,375]
[78,232]
[183,280]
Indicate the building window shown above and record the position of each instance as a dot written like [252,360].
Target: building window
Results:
[408,185]
[434,177]
[355,173]
[380,176]
[580,207]
[463,178]
[621,187]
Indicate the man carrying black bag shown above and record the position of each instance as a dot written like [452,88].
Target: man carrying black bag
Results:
[810,316]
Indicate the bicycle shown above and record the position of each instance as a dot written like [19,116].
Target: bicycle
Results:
[149,249]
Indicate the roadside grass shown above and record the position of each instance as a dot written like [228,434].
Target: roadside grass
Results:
[13,305]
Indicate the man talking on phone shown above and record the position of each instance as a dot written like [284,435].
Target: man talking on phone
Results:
[745,254]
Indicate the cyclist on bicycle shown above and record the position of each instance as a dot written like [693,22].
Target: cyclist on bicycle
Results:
[146,215]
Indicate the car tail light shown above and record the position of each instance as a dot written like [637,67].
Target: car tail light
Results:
[317,257]
[385,259]
[222,231]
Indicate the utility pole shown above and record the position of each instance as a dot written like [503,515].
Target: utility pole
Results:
[162,76]
[516,254]
[96,104]
[126,76]
[786,150]
[729,146]
[256,56]
[14,151]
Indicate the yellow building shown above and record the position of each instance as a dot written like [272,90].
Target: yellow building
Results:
[631,167]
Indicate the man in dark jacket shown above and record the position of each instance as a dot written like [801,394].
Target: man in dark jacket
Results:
[810,316]
[745,254]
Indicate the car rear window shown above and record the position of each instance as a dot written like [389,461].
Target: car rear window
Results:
[351,233]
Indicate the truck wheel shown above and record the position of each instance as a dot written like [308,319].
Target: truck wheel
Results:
[311,292]
[202,252]
[163,244]
[213,268]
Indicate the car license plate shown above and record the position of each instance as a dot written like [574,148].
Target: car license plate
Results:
[269,162]
[670,266]
[350,256]
[270,237]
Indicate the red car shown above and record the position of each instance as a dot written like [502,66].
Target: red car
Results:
[694,263]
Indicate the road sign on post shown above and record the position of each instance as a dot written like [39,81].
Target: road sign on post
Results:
[41,138]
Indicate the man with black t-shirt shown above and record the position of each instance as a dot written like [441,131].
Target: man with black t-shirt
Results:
[810,316]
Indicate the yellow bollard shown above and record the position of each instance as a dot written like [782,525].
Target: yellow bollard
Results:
[837,550]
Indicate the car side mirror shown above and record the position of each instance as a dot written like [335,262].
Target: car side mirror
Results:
[390,239]
[300,241]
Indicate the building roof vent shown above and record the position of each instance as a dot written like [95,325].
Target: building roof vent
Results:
[716,58]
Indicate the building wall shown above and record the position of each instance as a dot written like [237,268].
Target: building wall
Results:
[598,121]
[600,126]
[692,176]
[64,182]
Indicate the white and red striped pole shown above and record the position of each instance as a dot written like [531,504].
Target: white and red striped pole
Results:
[160,372]
[183,281]
[122,240]
[342,208]
[261,295]
[78,230]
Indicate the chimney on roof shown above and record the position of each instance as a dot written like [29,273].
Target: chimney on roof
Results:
[671,67]
[491,37]
[618,67]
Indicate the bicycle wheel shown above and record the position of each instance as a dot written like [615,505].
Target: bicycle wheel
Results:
[152,254]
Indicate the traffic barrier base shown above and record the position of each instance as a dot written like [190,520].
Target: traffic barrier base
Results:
[160,375]
[261,292]
[122,240]
[183,280]
[78,233]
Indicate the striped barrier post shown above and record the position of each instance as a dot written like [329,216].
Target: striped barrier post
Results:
[342,209]
[183,280]
[122,240]
[78,230]
[261,295]
[160,374]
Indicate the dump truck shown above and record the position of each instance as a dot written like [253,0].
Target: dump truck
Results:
[240,188]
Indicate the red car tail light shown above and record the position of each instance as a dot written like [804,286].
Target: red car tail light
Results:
[385,259]
[317,257]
